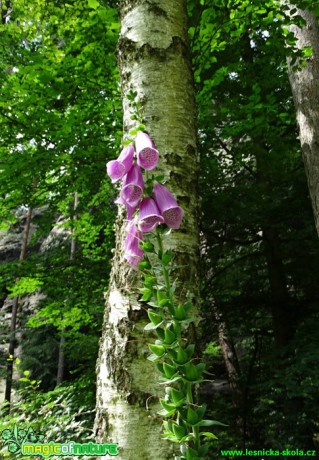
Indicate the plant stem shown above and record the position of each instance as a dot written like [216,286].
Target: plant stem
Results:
[195,429]
[161,251]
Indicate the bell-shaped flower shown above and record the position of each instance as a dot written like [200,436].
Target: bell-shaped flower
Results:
[133,253]
[129,211]
[168,206]
[133,186]
[116,169]
[149,216]
[147,155]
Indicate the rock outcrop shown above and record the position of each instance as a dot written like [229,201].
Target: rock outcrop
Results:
[10,248]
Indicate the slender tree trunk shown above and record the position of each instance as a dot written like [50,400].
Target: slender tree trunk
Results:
[155,63]
[14,314]
[305,89]
[61,358]
[74,218]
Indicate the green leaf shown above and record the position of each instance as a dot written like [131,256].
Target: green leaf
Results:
[162,299]
[200,367]
[148,246]
[190,350]
[147,294]
[161,333]
[181,356]
[153,358]
[209,423]
[208,434]
[134,131]
[155,317]
[165,381]
[93,4]
[192,417]
[190,372]
[159,178]
[144,265]
[151,326]
[15,430]
[169,409]
[201,411]
[169,370]
[170,337]
[158,350]
[153,304]
[177,396]
[164,302]
[180,313]
[168,426]
[191,454]
[177,328]
[160,367]
[150,282]
[179,431]
[167,257]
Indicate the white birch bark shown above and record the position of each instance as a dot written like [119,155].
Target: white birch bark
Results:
[305,88]
[155,62]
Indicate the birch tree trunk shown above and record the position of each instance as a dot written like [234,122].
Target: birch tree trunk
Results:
[155,62]
[305,89]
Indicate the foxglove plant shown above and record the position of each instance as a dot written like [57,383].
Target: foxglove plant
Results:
[148,218]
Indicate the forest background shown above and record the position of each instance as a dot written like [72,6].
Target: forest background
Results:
[61,121]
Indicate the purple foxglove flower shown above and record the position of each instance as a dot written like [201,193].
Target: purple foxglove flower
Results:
[149,216]
[129,211]
[116,169]
[133,186]
[133,253]
[171,212]
[147,155]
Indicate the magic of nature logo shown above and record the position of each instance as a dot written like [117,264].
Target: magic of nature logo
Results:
[27,442]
